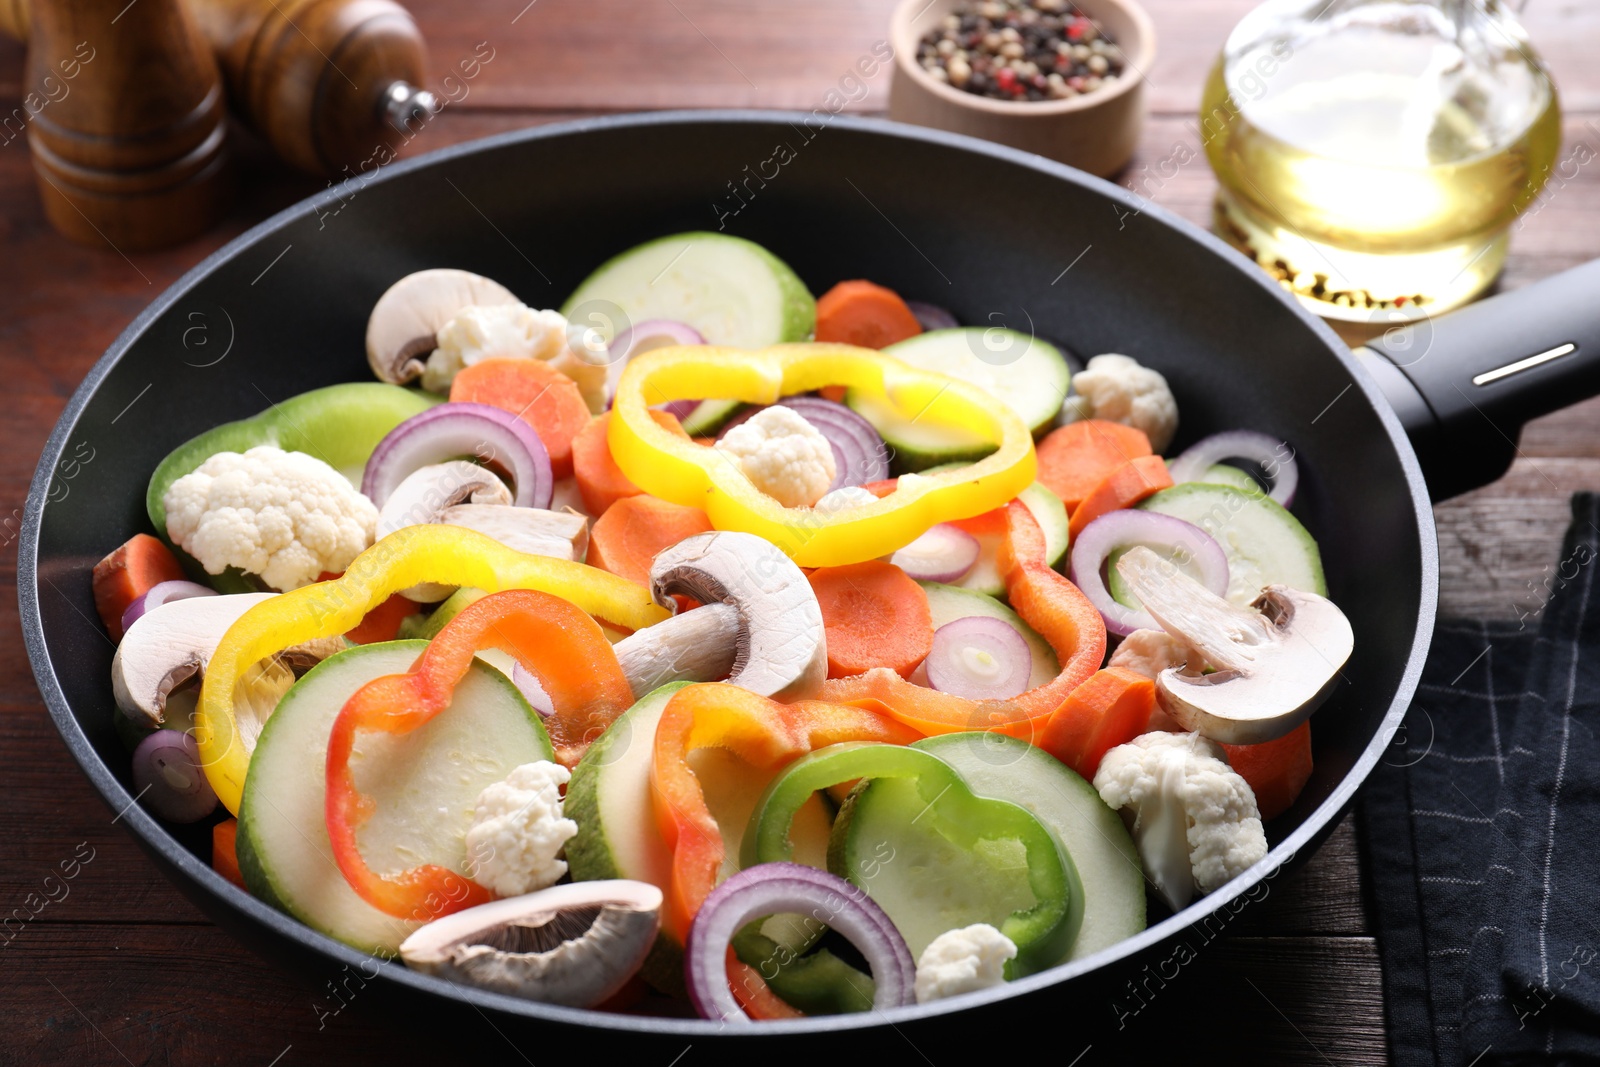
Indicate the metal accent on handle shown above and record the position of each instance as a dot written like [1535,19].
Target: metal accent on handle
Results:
[1523,364]
[407,108]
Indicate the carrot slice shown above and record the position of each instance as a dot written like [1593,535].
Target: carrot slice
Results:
[601,482]
[1077,457]
[627,537]
[1108,710]
[224,854]
[1122,488]
[383,622]
[1276,770]
[873,615]
[129,573]
[861,313]
[536,393]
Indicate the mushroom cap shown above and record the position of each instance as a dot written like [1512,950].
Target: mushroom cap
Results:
[780,649]
[574,944]
[1275,662]
[428,492]
[407,317]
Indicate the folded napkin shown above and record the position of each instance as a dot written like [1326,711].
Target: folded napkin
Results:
[1482,832]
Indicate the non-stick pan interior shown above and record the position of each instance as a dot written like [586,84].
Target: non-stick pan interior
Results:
[999,238]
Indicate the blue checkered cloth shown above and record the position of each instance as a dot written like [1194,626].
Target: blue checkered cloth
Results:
[1482,833]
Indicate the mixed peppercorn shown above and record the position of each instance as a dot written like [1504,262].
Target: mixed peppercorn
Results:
[1021,50]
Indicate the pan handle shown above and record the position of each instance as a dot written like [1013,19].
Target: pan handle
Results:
[1464,383]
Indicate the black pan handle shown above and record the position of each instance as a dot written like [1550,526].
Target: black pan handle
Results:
[1464,383]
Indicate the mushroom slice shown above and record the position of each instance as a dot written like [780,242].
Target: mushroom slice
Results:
[574,944]
[536,531]
[760,624]
[428,492]
[172,643]
[403,327]
[1276,661]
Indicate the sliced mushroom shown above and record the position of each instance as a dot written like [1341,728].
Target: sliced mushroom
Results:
[760,625]
[428,492]
[574,944]
[405,321]
[536,531]
[1275,662]
[172,643]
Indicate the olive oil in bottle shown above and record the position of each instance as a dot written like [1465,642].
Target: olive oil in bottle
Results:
[1372,154]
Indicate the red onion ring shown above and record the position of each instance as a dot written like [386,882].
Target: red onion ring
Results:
[932,316]
[1129,527]
[159,594]
[1269,454]
[944,554]
[642,337]
[1001,674]
[859,454]
[168,778]
[777,888]
[455,429]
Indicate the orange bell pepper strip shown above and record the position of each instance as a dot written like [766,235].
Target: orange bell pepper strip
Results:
[1049,603]
[766,734]
[554,639]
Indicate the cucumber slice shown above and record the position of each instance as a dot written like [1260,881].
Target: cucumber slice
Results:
[1025,373]
[924,882]
[947,603]
[1264,543]
[423,785]
[1228,474]
[733,291]
[1006,768]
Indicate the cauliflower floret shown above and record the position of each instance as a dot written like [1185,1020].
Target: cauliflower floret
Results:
[518,831]
[963,960]
[850,496]
[285,516]
[485,331]
[1195,821]
[1119,389]
[783,455]
[1149,652]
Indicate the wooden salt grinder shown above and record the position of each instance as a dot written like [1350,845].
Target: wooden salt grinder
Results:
[330,84]
[133,151]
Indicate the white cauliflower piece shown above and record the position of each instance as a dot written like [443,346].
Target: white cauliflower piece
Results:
[589,361]
[1149,652]
[518,831]
[1194,820]
[1120,389]
[487,331]
[783,455]
[284,516]
[963,960]
[849,496]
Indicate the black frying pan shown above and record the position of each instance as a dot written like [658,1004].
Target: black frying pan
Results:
[998,236]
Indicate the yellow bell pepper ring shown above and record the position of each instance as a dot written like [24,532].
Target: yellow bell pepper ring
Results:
[448,555]
[676,469]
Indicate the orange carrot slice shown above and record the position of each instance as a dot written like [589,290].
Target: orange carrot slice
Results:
[1122,488]
[873,616]
[1276,770]
[626,539]
[1108,710]
[127,574]
[224,855]
[536,393]
[1077,457]
[383,622]
[601,482]
[861,313]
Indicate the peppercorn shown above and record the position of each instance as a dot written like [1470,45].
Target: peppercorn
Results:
[1020,50]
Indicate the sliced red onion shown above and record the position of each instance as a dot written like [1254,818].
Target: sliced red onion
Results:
[932,316]
[859,454]
[944,554]
[159,594]
[778,888]
[455,429]
[1268,454]
[678,409]
[1129,527]
[980,658]
[532,691]
[168,780]
[642,337]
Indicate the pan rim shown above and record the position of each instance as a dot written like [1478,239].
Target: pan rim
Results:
[153,835]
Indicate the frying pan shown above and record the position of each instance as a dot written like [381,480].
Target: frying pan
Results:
[1000,237]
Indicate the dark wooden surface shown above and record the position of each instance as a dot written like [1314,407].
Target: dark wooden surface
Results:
[120,969]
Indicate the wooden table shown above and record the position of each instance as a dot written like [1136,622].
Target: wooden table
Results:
[120,969]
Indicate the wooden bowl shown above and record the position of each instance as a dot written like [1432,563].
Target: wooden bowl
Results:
[1096,132]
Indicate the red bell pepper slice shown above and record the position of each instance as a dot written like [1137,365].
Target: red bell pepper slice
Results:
[554,639]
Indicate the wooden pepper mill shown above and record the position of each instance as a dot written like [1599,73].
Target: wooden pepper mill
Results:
[132,149]
[330,84]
